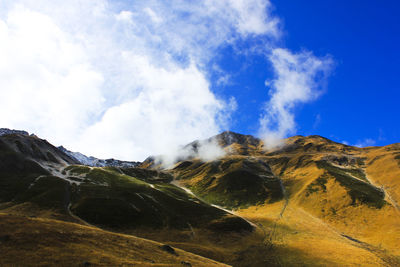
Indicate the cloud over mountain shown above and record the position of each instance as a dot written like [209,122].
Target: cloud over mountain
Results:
[123,78]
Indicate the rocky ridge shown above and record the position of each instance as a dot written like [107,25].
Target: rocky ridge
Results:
[95,162]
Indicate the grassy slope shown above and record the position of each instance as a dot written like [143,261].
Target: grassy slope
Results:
[332,212]
[16,172]
[125,204]
[122,202]
[383,168]
[300,239]
[232,182]
[330,187]
[343,197]
[169,214]
[133,201]
[43,242]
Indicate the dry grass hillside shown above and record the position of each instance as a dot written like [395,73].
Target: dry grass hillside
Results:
[28,241]
[308,202]
[318,202]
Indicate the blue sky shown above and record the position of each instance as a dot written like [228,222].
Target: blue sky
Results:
[128,79]
[360,100]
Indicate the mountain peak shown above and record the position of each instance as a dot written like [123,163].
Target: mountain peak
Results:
[5,131]
[95,162]
[228,138]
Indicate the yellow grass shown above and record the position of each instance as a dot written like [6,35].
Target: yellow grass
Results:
[43,242]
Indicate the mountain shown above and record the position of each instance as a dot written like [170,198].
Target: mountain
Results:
[78,157]
[95,162]
[308,202]
[38,180]
[23,158]
[232,143]
[309,194]
[5,131]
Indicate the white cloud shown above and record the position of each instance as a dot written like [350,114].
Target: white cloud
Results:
[165,114]
[119,79]
[254,18]
[205,150]
[125,16]
[154,17]
[366,142]
[210,150]
[298,80]
[130,79]
[47,83]
[317,121]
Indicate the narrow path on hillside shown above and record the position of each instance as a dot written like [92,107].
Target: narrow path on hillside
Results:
[380,253]
[177,184]
[285,196]
[29,187]
[272,236]
[68,204]
[395,205]
[385,191]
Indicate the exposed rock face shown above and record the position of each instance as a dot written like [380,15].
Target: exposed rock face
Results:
[33,148]
[95,162]
[77,156]
[231,142]
[5,131]
[228,138]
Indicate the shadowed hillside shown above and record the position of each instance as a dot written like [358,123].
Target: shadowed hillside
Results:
[41,181]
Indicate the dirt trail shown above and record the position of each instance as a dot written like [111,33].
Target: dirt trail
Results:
[285,196]
[394,203]
[176,183]
[380,253]
[68,204]
[272,236]
[385,191]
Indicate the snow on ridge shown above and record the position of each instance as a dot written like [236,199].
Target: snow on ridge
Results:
[95,162]
[5,131]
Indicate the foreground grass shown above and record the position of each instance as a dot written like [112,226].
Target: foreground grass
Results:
[43,242]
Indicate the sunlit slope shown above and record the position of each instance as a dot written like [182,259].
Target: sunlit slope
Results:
[231,182]
[383,168]
[332,182]
[44,242]
[351,192]
[294,237]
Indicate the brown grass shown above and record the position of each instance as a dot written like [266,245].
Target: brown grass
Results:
[322,223]
[28,241]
